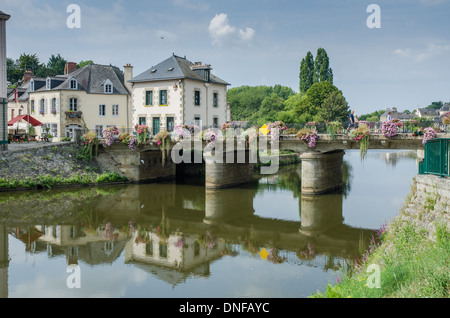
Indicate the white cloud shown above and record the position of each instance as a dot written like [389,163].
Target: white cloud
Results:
[432,50]
[222,32]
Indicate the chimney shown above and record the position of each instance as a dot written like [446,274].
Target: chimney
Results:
[70,67]
[128,75]
[27,75]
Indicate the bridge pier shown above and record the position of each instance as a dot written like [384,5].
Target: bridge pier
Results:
[318,215]
[222,205]
[321,172]
[226,172]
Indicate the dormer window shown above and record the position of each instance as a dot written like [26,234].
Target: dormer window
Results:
[32,85]
[48,83]
[108,87]
[73,84]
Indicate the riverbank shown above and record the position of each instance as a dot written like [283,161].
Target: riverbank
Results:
[409,258]
[50,165]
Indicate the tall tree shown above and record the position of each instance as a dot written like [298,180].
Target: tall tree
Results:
[306,72]
[322,69]
[28,62]
[56,65]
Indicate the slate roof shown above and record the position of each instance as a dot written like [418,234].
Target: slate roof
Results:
[91,79]
[175,67]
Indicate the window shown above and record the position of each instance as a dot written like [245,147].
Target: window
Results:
[115,110]
[73,84]
[215,99]
[52,129]
[99,131]
[215,122]
[12,113]
[197,98]
[149,248]
[163,97]
[108,88]
[162,250]
[48,84]
[155,126]
[32,85]
[148,98]
[73,104]
[196,249]
[54,106]
[32,106]
[170,124]
[197,121]
[142,121]
[42,107]
[20,112]
[102,110]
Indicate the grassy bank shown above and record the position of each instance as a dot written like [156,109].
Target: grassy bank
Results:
[48,181]
[407,260]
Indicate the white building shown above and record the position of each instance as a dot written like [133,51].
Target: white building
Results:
[177,91]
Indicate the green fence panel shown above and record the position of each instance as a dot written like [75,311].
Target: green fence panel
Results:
[437,157]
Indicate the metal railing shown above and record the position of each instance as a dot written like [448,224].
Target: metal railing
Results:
[437,157]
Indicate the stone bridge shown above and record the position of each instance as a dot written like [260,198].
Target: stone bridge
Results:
[234,164]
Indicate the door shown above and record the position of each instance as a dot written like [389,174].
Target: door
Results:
[155,126]
[170,124]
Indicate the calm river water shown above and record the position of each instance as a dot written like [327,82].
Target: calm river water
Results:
[178,240]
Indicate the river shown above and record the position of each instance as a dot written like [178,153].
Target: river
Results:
[176,239]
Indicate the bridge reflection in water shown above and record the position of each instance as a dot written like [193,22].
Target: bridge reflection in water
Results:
[175,231]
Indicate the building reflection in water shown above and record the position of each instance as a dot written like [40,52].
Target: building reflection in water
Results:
[176,231]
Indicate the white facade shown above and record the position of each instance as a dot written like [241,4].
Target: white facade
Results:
[180,104]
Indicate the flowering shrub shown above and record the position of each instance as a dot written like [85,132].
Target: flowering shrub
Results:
[90,140]
[334,128]
[362,136]
[446,119]
[389,128]
[277,124]
[161,140]
[142,131]
[429,133]
[209,135]
[231,125]
[109,135]
[185,130]
[309,136]
[132,143]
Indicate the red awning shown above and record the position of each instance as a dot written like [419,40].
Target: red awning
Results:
[28,118]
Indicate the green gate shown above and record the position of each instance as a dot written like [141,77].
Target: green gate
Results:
[437,157]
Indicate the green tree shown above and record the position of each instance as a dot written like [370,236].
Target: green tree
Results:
[318,92]
[435,105]
[56,65]
[270,108]
[297,109]
[84,63]
[306,72]
[28,62]
[245,101]
[13,72]
[374,115]
[334,107]
[322,69]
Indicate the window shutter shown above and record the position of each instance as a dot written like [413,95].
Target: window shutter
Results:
[57,105]
[45,106]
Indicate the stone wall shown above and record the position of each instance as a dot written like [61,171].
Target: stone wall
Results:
[428,203]
[45,159]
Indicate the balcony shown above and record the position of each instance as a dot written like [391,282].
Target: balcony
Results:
[73,114]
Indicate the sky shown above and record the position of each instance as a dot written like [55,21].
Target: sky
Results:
[403,62]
